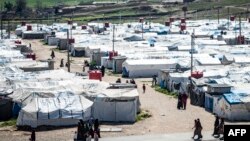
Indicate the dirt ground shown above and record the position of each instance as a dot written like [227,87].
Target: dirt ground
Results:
[165,116]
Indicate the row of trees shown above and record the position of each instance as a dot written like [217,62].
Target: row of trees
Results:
[19,6]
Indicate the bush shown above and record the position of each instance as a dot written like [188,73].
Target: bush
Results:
[11,122]
[143,115]
[165,91]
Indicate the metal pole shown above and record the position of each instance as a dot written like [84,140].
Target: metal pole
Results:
[9,29]
[228,17]
[142,29]
[192,49]
[218,15]
[1,21]
[240,24]
[68,50]
[113,41]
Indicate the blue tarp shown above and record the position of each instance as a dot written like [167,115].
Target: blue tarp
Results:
[209,103]
[234,98]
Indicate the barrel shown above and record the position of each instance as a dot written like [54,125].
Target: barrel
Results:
[112,54]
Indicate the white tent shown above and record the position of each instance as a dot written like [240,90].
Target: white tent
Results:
[63,110]
[146,67]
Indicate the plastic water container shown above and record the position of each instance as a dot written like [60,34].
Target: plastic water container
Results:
[112,54]
[95,75]
[197,74]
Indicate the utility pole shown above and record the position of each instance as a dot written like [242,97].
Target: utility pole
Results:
[142,28]
[240,24]
[1,21]
[218,10]
[68,50]
[113,41]
[247,14]
[8,28]
[228,17]
[192,50]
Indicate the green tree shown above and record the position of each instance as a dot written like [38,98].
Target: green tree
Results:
[8,6]
[20,5]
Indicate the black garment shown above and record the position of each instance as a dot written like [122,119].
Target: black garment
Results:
[143,88]
[216,126]
[96,127]
[179,104]
[61,64]
[33,136]
[52,54]
[103,70]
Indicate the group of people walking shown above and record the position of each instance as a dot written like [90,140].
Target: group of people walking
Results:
[197,128]
[85,130]
[218,127]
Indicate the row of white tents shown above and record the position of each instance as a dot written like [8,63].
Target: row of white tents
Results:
[59,98]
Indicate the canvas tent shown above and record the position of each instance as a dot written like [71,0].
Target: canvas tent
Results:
[63,110]
[146,67]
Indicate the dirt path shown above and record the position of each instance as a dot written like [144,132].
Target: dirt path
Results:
[165,116]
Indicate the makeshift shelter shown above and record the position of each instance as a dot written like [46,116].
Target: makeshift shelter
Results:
[62,110]
[117,105]
[33,35]
[233,106]
[117,63]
